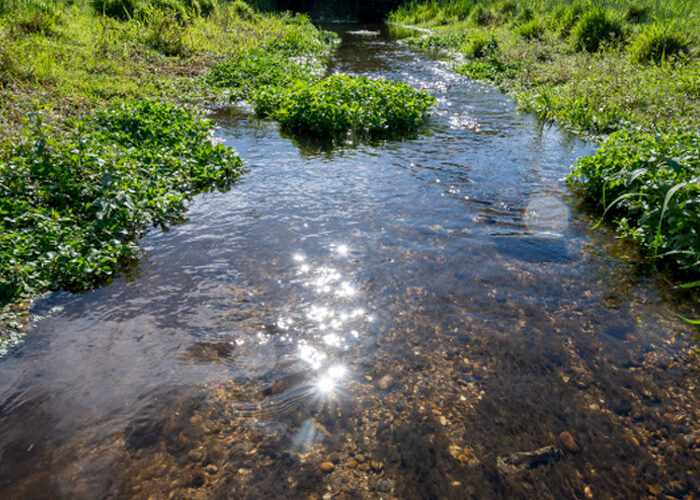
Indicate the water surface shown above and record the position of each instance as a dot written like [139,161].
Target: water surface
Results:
[407,311]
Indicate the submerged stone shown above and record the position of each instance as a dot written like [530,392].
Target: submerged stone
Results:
[523,460]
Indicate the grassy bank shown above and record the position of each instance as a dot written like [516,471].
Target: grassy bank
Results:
[625,72]
[101,135]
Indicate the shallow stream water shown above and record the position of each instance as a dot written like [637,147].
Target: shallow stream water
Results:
[392,320]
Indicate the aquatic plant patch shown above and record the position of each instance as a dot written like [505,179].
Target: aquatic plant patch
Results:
[340,105]
[72,205]
[649,185]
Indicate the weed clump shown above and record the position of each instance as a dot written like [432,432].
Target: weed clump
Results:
[37,17]
[72,205]
[480,46]
[636,13]
[242,10]
[531,30]
[341,105]
[596,28]
[567,16]
[655,44]
[650,182]
[116,9]
[481,16]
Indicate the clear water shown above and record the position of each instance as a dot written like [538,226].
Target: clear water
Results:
[429,305]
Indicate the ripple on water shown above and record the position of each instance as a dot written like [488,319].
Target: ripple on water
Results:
[404,311]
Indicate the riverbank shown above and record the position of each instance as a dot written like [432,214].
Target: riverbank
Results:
[623,73]
[102,132]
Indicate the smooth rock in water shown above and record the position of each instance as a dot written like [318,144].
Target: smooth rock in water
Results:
[691,439]
[385,382]
[523,460]
[352,463]
[569,443]
[211,469]
[386,485]
[376,465]
[195,455]
[327,466]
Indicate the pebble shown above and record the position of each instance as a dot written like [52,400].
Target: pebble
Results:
[385,382]
[327,466]
[195,455]
[520,461]
[654,489]
[376,465]
[386,485]
[691,439]
[364,467]
[587,491]
[360,458]
[352,463]
[211,469]
[569,443]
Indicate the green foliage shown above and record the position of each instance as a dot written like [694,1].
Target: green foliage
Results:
[116,9]
[259,69]
[481,16]
[480,45]
[507,8]
[302,38]
[567,16]
[173,9]
[438,41]
[650,183]
[608,93]
[655,44]
[242,10]
[636,13]
[533,29]
[341,104]
[165,31]
[72,205]
[37,16]
[595,28]
[490,69]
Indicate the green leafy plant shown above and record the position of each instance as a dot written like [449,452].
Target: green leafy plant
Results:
[342,104]
[117,9]
[653,181]
[533,29]
[72,205]
[259,69]
[479,46]
[596,28]
[656,43]
[481,16]
[636,13]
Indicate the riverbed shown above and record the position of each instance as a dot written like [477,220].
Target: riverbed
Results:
[394,320]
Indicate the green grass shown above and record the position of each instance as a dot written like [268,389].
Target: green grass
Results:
[100,138]
[86,60]
[625,73]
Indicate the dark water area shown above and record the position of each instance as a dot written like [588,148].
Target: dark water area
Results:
[396,320]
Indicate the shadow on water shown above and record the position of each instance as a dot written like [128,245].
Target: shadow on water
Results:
[397,319]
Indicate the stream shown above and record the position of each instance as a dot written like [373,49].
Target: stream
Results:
[393,320]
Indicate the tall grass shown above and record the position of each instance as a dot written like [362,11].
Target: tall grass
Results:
[625,72]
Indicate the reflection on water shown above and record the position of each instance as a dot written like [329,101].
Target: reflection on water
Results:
[398,319]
